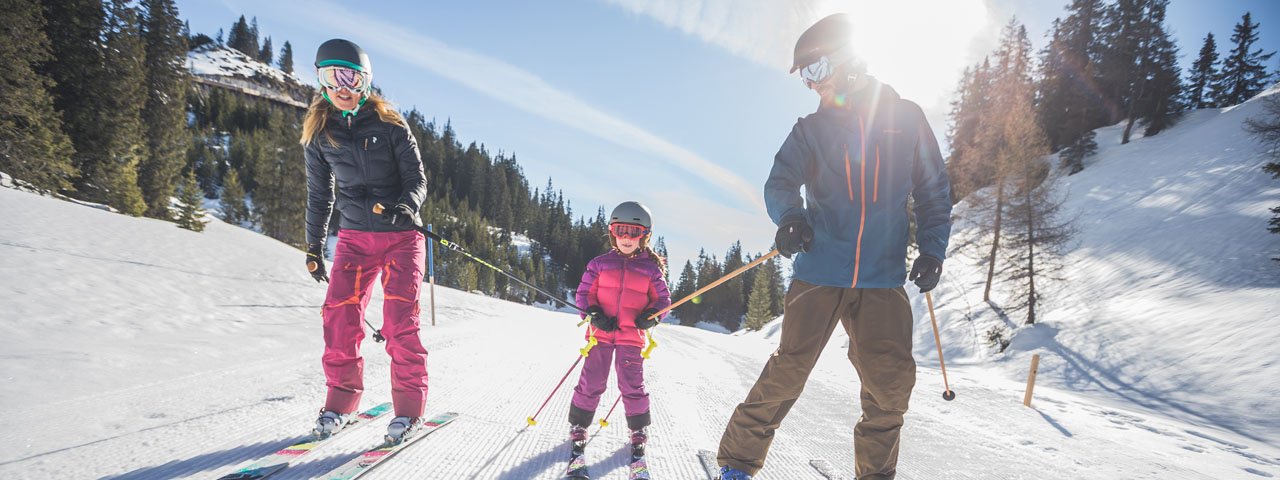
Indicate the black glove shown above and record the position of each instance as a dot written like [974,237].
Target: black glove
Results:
[400,215]
[794,236]
[600,320]
[925,272]
[315,262]
[643,321]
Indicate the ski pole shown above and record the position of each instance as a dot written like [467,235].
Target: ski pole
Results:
[764,258]
[533,420]
[604,422]
[378,208]
[377,334]
[947,394]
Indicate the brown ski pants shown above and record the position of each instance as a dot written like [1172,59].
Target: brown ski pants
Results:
[878,321]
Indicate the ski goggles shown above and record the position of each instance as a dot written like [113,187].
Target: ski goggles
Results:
[817,72]
[343,78]
[627,230]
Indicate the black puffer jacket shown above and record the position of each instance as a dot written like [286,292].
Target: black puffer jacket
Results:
[374,162]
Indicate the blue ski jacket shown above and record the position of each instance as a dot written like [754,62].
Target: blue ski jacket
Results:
[858,164]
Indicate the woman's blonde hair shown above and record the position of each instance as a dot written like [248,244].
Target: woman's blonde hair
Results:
[321,108]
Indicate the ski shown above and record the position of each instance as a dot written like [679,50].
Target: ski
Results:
[270,465]
[826,469]
[709,464]
[577,467]
[371,458]
[639,469]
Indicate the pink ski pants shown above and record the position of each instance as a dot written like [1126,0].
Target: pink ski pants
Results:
[360,257]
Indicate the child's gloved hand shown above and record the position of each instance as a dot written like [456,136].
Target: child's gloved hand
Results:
[644,322]
[600,320]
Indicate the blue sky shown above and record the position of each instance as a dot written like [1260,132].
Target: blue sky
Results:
[677,104]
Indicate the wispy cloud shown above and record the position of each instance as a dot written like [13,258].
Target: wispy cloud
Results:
[918,46]
[524,90]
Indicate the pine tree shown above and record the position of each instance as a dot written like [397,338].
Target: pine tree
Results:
[121,134]
[777,289]
[731,296]
[759,306]
[266,54]
[234,210]
[218,38]
[1266,129]
[74,29]
[244,38]
[278,205]
[661,249]
[33,146]
[1244,72]
[190,212]
[1123,26]
[1154,86]
[286,58]
[1071,60]
[1203,71]
[687,285]
[164,114]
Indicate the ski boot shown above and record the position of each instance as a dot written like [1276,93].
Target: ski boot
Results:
[577,459]
[730,473]
[401,428]
[329,423]
[639,469]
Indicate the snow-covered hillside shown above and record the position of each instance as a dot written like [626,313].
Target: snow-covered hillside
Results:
[225,67]
[134,349]
[1171,300]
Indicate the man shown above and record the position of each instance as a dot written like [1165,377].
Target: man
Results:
[858,158]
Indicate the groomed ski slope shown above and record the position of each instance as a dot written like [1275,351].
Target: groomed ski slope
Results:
[134,349]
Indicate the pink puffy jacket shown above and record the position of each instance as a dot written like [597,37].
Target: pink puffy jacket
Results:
[623,286]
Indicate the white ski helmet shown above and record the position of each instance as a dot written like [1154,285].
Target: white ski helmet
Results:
[631,212]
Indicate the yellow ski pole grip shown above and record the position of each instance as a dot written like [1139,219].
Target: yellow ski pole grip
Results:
[652,344]
[591,343]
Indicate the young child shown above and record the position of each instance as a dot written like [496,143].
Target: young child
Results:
[620,290]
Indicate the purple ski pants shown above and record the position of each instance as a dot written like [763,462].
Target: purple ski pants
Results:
[360,257]
[595,374]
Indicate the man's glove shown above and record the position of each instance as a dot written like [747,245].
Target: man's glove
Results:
[400,215]
[315,262]
[925,272]
[643,321]
[794,236]
[600,320]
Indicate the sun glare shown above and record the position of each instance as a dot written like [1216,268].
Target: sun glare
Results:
[918,46]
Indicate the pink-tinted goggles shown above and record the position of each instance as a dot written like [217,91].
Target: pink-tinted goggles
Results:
[343,78]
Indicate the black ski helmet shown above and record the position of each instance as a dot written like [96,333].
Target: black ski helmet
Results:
[345,53]
[631,212]
[831,37]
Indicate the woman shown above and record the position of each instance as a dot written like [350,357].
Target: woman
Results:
[356,139]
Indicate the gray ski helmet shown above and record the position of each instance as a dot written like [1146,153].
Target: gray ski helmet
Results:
[830,37]
[345,53]
[631,212]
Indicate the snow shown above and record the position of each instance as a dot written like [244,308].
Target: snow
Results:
[1170,298]
[223,61]
[135,349]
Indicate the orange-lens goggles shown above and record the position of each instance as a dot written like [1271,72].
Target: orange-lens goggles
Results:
[627,230]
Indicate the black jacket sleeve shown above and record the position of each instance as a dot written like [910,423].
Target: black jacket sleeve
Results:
[319,194]
[413,188]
